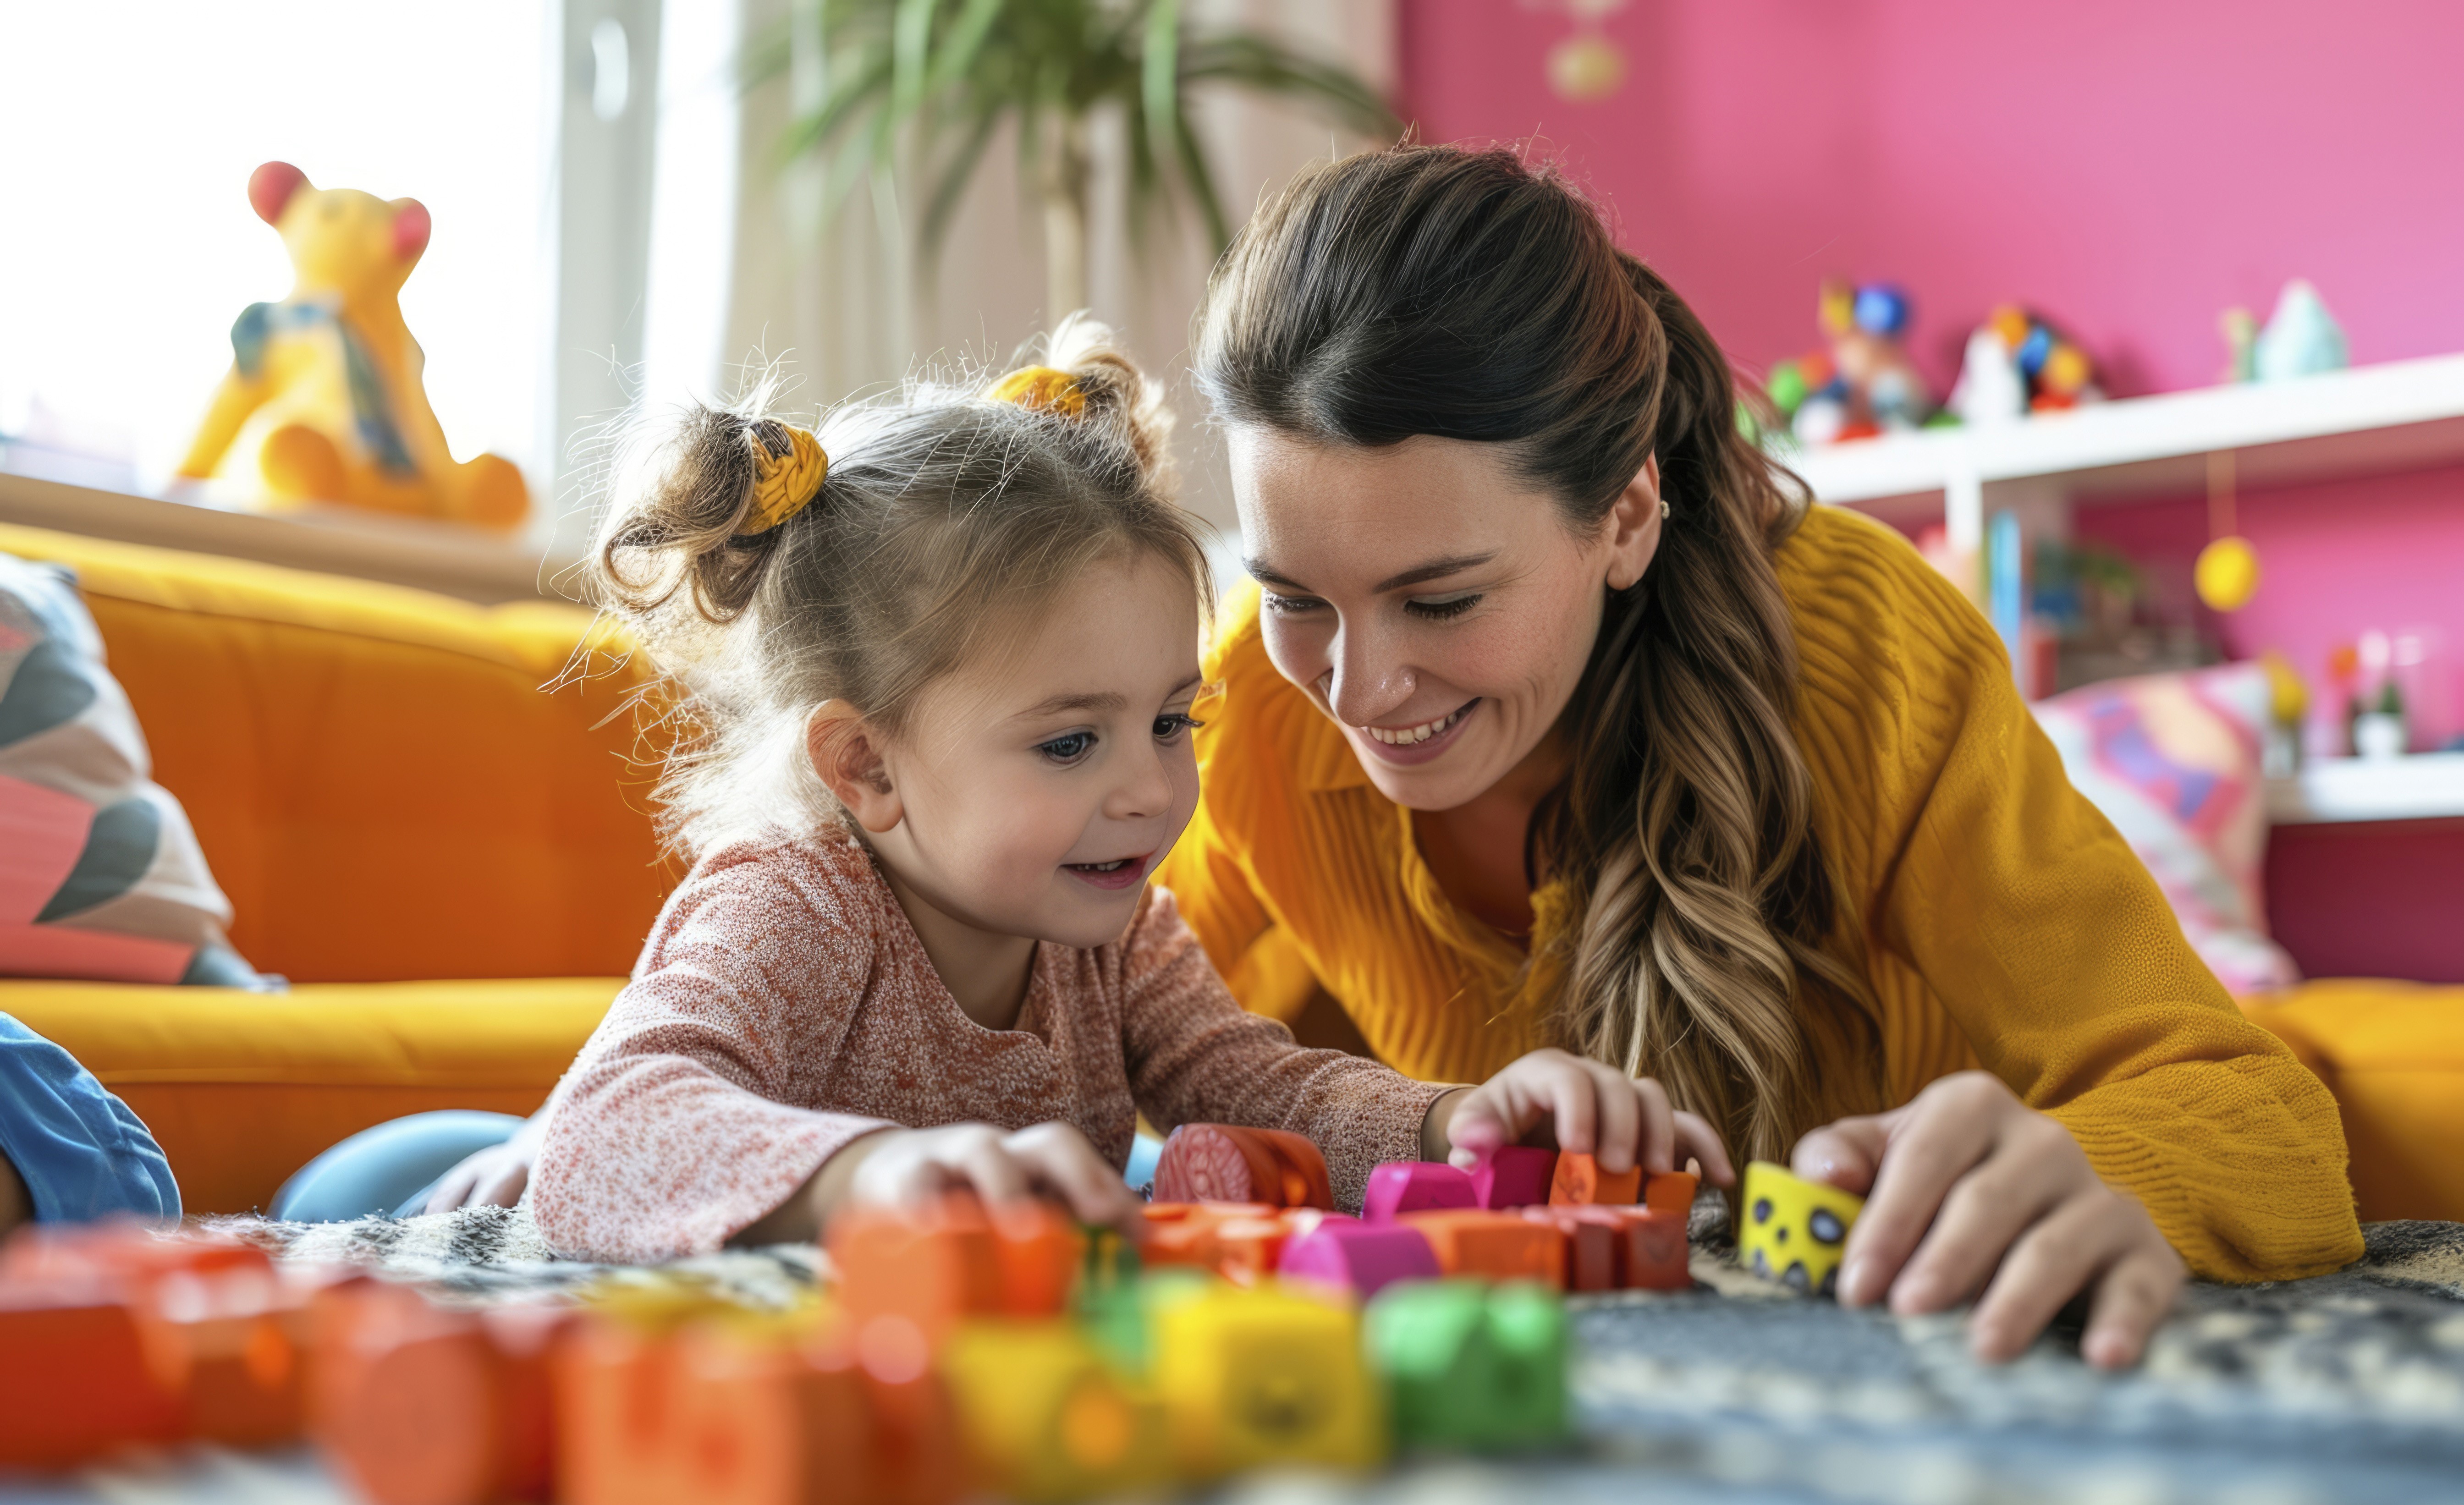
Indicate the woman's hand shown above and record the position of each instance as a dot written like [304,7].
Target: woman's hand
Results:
[1553,1098]
[909,1167]
[491,1177]
[1973,1191]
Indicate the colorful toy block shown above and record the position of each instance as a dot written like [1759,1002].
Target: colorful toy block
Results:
[1652,1251]
[1248,1248]
[1470,1365]
[418,1406]
[1516,1175]
[1044,1418]
[1590,1245]
[76,1382]
[1672,1192]
[1415,1186]
[1579,1181]
[952,1260]
[1263,1376]
[755,1420]
[1501,1246]
[1794,1231]
[1220,1163]
[1362,1258]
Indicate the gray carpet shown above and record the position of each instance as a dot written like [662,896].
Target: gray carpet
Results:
[2347,1388]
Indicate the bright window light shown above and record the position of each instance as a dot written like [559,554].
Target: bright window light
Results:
[130,247]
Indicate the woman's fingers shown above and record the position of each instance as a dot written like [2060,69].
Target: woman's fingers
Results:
[1946,1132]
[2130,1300]
[2028,1174]
[1846,1154]
[1698,1139]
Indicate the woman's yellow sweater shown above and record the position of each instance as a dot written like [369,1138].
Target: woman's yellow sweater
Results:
[2001,920]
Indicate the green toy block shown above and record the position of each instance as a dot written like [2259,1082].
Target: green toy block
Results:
[1470,1365]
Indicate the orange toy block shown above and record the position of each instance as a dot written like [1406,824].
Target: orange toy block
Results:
[1652,1252]
[1590,1246]
[235,1346]
[1189,1234]
[419,1406]
[1497,1246]
[1037,1250]
[1248,1248]
[763,1423]
[932,1268]
[77,1381]
[1671,1192]
[616,1401]
[127,1253]
[1219,1162]
[1580,1182]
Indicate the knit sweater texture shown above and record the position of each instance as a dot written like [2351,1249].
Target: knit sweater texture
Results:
[2000,919]
[785,1007]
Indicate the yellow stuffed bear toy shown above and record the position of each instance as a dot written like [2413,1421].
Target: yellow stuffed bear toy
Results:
[324,399]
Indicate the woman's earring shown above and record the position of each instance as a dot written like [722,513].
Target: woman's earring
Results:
[1664,509]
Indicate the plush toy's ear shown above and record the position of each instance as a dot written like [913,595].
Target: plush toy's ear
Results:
[410,228]
[270,188]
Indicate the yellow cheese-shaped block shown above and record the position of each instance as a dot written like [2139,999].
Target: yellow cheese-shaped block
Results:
[1792,1231]
[1044,1418]
[1258,1376]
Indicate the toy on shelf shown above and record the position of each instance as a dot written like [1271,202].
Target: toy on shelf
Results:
[1861,382]
[1218,1163]
[324,399]
[2301,338]
[1468,1366]
[2017,363]
[1793,1229]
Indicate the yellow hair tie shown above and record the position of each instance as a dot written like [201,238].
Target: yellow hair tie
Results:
[783,484]
[1041,387]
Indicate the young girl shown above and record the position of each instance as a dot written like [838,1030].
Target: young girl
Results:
[943,654]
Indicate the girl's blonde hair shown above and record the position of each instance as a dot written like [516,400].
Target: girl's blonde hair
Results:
[946,515]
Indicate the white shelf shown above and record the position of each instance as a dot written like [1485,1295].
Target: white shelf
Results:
[2402,415]
[336,540]
[2426,786]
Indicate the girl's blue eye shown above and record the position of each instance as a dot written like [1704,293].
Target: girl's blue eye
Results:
[1068,747]
[1169,726]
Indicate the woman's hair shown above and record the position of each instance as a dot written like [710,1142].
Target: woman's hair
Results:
[1460,293]
[947,515]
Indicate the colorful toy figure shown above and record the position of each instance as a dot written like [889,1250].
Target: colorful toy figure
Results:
[1470,1365]
[1794,1231]
[1264,1377]
[2018,363]
[1861,382]
[324,401]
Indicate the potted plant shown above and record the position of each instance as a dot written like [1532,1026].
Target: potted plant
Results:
[920,89]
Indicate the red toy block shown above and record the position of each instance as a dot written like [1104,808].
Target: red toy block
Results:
[1590,1246]
[1671,1192]
[419,1406]
[1497,1246]
[1219,1162]
[1248,1248]
[1579,1182]
[1652,1252]
[124,1252]
[933,1267]
[1038,1251]
[77,1381]
[1516,1175]
[233,1343]
[1415,1186]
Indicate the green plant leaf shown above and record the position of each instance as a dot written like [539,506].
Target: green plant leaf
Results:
[1159,68]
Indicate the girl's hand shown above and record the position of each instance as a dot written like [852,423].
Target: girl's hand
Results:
[909,1167]
[1553,1097]
[1973,1191]
[491,1177]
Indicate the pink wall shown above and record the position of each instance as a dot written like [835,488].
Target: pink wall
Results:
[2129,170]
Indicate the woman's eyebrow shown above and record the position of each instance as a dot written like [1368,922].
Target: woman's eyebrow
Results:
[1435,569]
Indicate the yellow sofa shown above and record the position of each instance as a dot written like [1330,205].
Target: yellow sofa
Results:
[390,798]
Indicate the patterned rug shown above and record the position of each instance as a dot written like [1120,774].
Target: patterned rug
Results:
[2347,1387]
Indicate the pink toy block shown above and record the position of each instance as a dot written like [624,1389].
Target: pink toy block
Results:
[1363,1256]
[1415,1186]
[1514,1176]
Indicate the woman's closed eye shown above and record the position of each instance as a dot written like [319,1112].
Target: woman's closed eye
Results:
[1288,605]
[1442,608]
[1069,747]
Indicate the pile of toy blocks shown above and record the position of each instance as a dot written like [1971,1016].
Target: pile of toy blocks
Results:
[963,1350]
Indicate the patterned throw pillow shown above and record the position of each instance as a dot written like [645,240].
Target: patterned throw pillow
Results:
[2174,762]
[100,876]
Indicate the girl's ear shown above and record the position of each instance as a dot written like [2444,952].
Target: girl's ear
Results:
[1632,527]
[846,753]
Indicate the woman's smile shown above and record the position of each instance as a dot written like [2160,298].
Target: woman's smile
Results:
[1420,743]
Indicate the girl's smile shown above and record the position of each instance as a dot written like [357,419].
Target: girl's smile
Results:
[1121,872]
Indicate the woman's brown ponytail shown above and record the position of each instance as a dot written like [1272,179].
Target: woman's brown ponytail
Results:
[1436,291]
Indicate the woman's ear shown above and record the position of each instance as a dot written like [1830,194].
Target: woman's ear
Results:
[1634,526]
[846,750]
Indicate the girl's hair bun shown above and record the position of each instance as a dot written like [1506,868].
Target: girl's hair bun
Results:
[1114,393]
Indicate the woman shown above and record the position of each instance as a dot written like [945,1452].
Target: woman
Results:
[1559,721]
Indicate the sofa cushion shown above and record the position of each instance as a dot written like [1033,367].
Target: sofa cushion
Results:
[2394,1055]
[241,1088]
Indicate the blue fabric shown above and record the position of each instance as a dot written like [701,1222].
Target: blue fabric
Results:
[80,1152]
[1144,1152]
[388,1169]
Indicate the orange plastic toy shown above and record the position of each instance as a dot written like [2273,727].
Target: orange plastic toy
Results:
[76,1382]
[1590,1245]
[938,1266]
[1497,1246]
[1220,1162]
[1580,1182]
[419,1406]
[1672,1192]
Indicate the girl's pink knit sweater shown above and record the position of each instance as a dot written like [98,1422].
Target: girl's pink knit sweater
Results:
[784,1006]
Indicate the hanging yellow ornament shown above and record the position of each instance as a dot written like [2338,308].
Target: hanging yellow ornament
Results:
[1586,68]
[2227,574]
